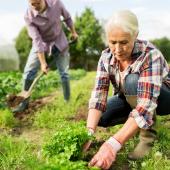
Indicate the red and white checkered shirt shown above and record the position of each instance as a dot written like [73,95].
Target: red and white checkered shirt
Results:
[153,70]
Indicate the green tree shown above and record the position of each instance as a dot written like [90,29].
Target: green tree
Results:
[163,44]
[85,53]
[23,45]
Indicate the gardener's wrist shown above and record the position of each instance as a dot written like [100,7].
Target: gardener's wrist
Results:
[116,145]
[91,131]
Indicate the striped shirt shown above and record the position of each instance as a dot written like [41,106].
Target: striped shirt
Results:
[153,70]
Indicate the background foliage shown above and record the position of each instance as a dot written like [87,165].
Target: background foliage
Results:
[163,44]
[23,45]
[84,53]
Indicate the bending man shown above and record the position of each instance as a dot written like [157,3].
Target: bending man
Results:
[45,28]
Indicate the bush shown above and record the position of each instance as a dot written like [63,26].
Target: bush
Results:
[163,44]
[86,51]
[23,45]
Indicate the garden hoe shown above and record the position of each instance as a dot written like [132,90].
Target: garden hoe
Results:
[26,95]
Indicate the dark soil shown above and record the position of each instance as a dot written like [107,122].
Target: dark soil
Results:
[32,107]
[13,100]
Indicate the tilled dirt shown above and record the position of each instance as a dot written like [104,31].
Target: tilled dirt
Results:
[32,107]
[13,101]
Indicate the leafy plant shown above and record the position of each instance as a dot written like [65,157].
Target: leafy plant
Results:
[67,142]
[10,83]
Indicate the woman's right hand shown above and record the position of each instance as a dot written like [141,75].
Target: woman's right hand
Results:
[104,157]
[88,143]
[86,146]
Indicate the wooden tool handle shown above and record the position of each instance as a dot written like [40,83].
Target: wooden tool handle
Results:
[33,83]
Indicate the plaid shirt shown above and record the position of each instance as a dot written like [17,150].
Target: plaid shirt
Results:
[153,70]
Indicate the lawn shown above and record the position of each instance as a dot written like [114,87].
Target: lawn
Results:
[51,136]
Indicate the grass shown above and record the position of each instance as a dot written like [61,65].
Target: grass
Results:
[59,110]
[24,151]
[16,154]
[7,119]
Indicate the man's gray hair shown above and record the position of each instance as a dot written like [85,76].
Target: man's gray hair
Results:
[124,19]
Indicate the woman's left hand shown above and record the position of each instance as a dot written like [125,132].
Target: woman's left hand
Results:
[104,157]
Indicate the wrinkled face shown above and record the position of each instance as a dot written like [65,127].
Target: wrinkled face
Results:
[36,4]
[121,43]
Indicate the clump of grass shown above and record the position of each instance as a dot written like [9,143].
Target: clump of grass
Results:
[16,154]
[7,119]
[59,110]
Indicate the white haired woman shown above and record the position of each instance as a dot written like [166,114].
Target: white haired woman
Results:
[141,85]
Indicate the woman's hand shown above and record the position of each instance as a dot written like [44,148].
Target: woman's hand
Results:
[104,157]
[87,145]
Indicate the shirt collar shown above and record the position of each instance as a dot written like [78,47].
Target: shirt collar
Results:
[113,60]
[49,5]
[138,47]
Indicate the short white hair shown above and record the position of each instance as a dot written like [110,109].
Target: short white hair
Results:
[124,19]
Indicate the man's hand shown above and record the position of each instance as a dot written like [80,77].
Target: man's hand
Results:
[44,68]
[104,157]
[75,36]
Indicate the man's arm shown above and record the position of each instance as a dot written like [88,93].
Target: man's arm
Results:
[44,66]
[68,20]
[37,43]
[73,32]
[34,35]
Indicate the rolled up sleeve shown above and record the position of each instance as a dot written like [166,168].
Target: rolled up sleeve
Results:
[99,94]
[148,90]
[33,32]
[66,15]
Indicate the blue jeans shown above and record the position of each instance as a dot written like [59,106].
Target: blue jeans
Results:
[61,61]
[118,109]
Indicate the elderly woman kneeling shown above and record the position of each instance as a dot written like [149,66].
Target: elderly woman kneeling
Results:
[140,77]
